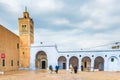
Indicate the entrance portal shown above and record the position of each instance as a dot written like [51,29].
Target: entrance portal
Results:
[99,63]
[64,65]
[41,60]
[62,62]
[43,64]
[73,61]
[86,63]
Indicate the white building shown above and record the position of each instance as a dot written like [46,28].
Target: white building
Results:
[41,56]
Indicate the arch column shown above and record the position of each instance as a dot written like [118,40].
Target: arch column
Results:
[79,68]
[67,67]
[105,64]
[119,63]
[92,64]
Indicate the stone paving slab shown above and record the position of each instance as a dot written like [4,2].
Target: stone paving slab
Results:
[62,75]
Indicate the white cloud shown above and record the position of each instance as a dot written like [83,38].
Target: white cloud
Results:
[38,6]
[50,5]
[86,24]
[100,13]
[97,14]
[45,6]
[105,2]
[60,21]
[68,39]
[12,5]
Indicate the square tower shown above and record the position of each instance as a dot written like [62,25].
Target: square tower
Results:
[26,34]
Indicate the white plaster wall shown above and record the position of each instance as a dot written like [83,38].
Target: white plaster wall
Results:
[53,55]
[92,56]
[113,66]
[50,52]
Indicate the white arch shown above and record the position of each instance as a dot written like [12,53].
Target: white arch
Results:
[86,63]
[73,64]
[41,61]
[62,63]
[99,63]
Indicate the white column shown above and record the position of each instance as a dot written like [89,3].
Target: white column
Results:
[79,68]
[67,67]
[119,65]
[92,64]
[105,64]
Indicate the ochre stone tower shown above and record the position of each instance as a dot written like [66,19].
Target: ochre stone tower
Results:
[26,33]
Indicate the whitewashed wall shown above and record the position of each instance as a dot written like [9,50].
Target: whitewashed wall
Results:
[53,54]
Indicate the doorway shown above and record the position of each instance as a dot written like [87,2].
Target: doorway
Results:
[62,62]
[64,65]
[43,64]
[74,61]
[41,61]
[86,63]
[99,63]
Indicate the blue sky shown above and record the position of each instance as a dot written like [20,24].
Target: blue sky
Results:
[71,24]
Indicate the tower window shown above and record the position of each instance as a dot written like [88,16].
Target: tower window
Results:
[3,62]
[11,62]
[31,29]
[24,28]
[17,45]
[23,53]
[17,63]
[25,15]
[92,55]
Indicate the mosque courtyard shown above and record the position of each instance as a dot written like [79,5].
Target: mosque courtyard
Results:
[62,75]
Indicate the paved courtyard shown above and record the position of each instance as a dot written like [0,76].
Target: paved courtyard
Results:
[62,75]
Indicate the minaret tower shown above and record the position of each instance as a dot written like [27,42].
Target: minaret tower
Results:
[26,33]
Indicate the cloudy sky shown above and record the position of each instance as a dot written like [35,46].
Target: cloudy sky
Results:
[71,24]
